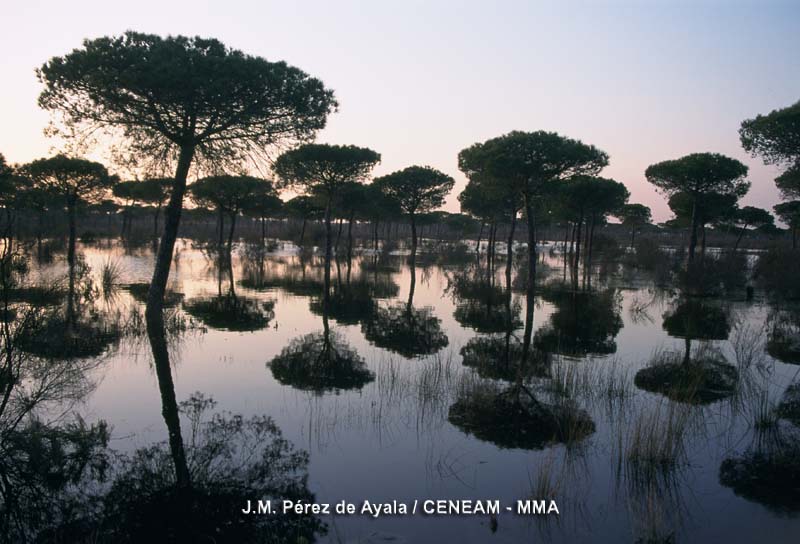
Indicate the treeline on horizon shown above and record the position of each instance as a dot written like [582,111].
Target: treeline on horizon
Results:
[177,105]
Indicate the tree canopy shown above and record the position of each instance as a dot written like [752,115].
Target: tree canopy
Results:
[73,178]
[634,214]
[230,194]
[699,174]
[323,168]
[182,91]
[774,137]
[527,161]
[416,189]
[789,183]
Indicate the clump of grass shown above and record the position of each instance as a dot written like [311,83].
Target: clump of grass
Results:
[655,440]
[764,414]
[110,277]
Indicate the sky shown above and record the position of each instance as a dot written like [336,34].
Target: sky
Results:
[418,81]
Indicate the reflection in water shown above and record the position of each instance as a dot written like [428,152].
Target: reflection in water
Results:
[699,377]
[583,323]
[323,361]
[76,328]
[406,330]
[784,335]
[768,474]
[229,311]
[454,407]
[510,418]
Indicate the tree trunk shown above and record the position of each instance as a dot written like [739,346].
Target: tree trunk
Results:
[478,244]
[375,236]
[413,241]
[220,228]
[155,221]
[693,234]
[328,254]
[71,215]
[338,235]
[578,236]
[302,232]
[230,234]
[739,238]
[169,404]
[510,249]
[155,319]
[489,247]
[526,344]
[349,239]
[172,219]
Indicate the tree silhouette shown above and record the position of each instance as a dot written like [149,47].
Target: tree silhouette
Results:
[775,137]
[229,195]
[307,208]
[263,206]
[323,170]
[750,216]
[699,175]
[789,213]
[789,183]
[175,98]
[634,216]
[76,181]
[417,190]
[529,163]
[711,208]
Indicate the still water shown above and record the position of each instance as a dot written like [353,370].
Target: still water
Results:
[383,428]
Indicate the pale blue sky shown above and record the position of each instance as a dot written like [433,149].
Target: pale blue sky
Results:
[418,81]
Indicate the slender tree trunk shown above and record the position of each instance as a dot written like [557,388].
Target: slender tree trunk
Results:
[230,234]
[220,228]
[169,404]
[375,236]
[155,221]
[302,232]
[349,239]
[263,232]
[489,246]
[687,353]
[338,235]
[71,214]
[510,249]
[478,243]
[693,234]
[413,241]
[328,254]
[155,319]
[578,236]
[703,243]
[739,238]
[172,219]
[526,343]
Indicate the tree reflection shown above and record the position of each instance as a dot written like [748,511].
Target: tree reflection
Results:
[768,472]
[699,377]
[481,305]
[323,361]
[403,329]
[784,335]
[229,311]
[583,323]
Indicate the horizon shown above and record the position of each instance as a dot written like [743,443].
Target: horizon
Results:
[645,81]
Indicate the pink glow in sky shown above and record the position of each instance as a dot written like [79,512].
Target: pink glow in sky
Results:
[418,81]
